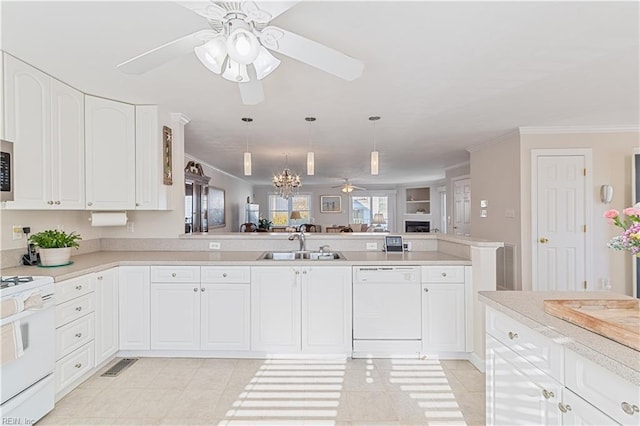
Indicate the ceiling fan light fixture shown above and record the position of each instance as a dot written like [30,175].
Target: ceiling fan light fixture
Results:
[347,189]
[236,72]
[265,63]
[212,54]
[242,46]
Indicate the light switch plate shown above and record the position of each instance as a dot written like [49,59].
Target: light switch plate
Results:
[17,232]
[372,246]
[214,246]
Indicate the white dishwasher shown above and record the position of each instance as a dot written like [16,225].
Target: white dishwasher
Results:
[387,311]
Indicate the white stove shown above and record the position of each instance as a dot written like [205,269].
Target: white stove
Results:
[26,371]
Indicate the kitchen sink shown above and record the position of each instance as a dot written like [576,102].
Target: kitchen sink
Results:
[301,255]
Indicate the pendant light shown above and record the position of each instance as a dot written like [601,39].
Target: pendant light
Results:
[247,154]
[374,153]
[311,161]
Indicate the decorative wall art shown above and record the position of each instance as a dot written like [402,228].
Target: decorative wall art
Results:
[330,204]
[167,155]
[216,207]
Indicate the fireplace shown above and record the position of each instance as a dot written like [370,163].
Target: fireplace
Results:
[416,226]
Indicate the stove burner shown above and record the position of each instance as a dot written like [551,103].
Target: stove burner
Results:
[12,281]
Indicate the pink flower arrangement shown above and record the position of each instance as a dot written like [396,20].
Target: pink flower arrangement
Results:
[629,240]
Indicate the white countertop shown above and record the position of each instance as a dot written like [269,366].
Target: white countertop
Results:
[527,307]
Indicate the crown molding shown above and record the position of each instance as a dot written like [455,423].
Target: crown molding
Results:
[180,118]
[531,130]
[197,160]
[455,166]
[502,138]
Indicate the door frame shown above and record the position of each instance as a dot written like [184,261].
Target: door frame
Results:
[450,226]
[588,209]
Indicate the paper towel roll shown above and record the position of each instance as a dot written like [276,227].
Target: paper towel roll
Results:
[108,218]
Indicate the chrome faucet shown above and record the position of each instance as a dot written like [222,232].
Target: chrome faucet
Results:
[300,236]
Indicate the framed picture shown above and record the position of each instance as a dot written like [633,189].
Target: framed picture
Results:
[330,204]
[216,207]
[167,155]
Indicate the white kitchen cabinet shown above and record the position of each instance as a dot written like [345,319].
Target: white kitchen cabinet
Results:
[275,309]
[106,315]
[45,120]
[175,316]
[225,308]
[575,411]
[443,318]
[326,309]
[517,392]
[109,154]
[297,309]
[133,307]
[151,193]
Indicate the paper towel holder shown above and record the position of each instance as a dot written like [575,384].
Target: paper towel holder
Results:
[108,218]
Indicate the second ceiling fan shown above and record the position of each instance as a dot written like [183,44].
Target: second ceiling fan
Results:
[238,43]
[347,187]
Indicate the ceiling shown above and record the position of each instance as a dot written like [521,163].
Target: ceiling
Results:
[444,76]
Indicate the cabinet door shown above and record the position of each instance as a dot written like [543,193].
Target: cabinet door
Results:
[275,309]
[27,108]
[133,307]
[67,147]
[517,392]
[326,309]
[443,318]
[175,316]
[578,412]
[225,310]
[106,314]
[151,193]
[110,154]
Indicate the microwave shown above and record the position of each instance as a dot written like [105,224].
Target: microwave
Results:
[6,171]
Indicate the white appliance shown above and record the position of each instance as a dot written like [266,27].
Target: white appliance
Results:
[26,382]
[251,213]
[387,310]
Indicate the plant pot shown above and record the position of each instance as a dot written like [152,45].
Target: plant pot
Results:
[55,256]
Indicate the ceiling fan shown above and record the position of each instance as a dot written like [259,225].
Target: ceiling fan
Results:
[236,46]
[347,187]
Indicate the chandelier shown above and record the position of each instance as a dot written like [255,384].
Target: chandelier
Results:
[286,183]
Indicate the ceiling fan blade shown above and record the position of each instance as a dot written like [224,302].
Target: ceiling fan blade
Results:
[162,54]
[311,53]
[269,9]
[207,9]
[251,92]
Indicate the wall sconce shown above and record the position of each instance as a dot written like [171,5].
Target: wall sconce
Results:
[606,194]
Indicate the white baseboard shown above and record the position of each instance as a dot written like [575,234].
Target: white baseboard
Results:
[477,362]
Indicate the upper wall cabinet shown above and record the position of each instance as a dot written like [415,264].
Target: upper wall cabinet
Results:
[110,154]
[45,120]
[151,193]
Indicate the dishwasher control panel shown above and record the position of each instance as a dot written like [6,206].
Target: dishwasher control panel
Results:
[386,274]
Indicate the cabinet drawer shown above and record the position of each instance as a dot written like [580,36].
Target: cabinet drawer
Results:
[443,274]
[77,333]
[70,289]
[226,274]
[74,366]
[74,309]
[175,274]
[537,349]
[609,392]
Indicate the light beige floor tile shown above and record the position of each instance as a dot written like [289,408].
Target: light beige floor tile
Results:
[194,404]
[170,378]
[52,420]
[97,382]
[457,364]
[363,381]
[370,406]
[472,380]
[151,403]
[137,421]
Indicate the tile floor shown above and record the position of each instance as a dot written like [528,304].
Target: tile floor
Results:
[190,391]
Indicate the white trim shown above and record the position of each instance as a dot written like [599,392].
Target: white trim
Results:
[588,209]
[578,129]
[494,141]
[634,262]
[477,362]
[180,118]
[455,166]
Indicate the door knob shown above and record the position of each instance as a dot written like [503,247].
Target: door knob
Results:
[543,240]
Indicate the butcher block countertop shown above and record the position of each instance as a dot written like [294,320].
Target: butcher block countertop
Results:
[101,260]
[528,308]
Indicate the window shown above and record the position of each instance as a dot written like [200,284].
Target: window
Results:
[280,210]
[365,207]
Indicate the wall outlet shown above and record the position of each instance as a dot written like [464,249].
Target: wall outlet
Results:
[131,226]
[214,246]
[17,232]
[372,246]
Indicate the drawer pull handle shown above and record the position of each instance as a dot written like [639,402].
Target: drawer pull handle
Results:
[202,289]
[79,308]
[57,203]
[79,287]
[444,274]
[224,275]
[173,274]
[78,335]
[100,277]
[426,290]
[565,408]
[547,394]
[513,335]
[78,365]
[629,408]
[195,289]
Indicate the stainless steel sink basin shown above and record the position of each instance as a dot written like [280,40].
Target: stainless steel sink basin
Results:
[300,255]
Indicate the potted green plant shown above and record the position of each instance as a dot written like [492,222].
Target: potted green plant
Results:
[264,224]
[55,246]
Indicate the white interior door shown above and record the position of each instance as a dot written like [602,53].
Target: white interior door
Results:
[559,233]
[462,207]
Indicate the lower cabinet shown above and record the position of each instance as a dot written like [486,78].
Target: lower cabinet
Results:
[175,316]
[296,309]
[107,342]
[443,318]
[133,307]
[577,411]
[225,314]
